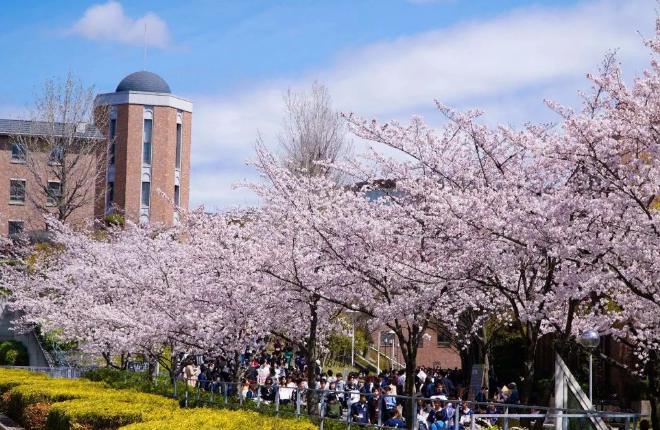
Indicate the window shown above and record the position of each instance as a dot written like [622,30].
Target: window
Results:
[386,338]
[113,135]
[146,147]
[17,191]
[54,193]
[111,194]
[15,227]
[146,190]
[18,154]
[56,155]
[177,195]
[420,344]
[442,341]
[179,142]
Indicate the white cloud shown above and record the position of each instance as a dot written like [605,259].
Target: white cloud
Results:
[507,64]
[109,22]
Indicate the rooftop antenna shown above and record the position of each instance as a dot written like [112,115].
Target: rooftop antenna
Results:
[144,65]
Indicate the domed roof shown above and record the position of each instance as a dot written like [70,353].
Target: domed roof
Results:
[143,81]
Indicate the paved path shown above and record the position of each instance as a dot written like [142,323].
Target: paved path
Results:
[6,423]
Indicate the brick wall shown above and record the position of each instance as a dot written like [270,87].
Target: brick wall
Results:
[29,213]
[429,354]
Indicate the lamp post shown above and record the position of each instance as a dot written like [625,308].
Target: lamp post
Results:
[352,338]
[590,340]
[378,354]
[391,333]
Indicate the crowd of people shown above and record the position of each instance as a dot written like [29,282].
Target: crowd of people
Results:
[280,376]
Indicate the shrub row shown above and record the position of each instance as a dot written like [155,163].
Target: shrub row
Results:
[42,403]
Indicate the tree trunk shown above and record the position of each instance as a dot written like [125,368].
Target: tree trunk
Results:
[312,396]
[654,390]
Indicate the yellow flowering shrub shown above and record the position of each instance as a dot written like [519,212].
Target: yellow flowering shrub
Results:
[42,403]
[202,419]
[10,378]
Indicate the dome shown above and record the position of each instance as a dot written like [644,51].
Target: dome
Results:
[143,81]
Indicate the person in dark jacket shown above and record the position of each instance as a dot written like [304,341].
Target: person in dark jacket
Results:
[482,397]
[446,384]
[428,389]
[514,397]
[376,407]
[268,391]
[360,411]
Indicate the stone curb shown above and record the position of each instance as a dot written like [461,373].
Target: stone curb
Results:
[7,423]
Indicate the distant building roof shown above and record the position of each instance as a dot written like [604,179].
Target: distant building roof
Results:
[143,81]
[17,126]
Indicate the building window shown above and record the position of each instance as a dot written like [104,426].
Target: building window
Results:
[54,193]
[177,195]
[111,195]
[18,154]
[420,344]
[179,142]
[56,155]
[386,338]
[15,227]
[17,191]
[442,341]
[146,147]
[146,190]
[113,135]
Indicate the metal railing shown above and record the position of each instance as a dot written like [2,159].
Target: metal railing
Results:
[315,404]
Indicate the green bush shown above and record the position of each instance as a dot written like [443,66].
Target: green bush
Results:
[114,219]
[13,353]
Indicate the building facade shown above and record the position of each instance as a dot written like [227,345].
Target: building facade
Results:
[149,152]
[433,351]
[146,173]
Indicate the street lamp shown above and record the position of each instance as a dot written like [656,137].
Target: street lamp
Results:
[352,312]
[590,340]
[391,333]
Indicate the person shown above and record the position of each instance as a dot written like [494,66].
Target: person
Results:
[466,416]
[287,389]
[330,377]
[190,373]
[437,416]
[268,391]
[492,410]
[644,425]
[263,372]
[503,395]
[360,411]
[396,420]
[514,397]
[288,355]
[428,389]
[251,392]
[440,392]
[333,409]
[324,395]
[422,415]
[352,392]
[376,405]
[446,383]
[389,400]
[482,397]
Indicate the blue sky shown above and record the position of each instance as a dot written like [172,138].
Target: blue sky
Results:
[379,58]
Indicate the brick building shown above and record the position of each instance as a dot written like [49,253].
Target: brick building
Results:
[149,142]
[23,194]
[434,351]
